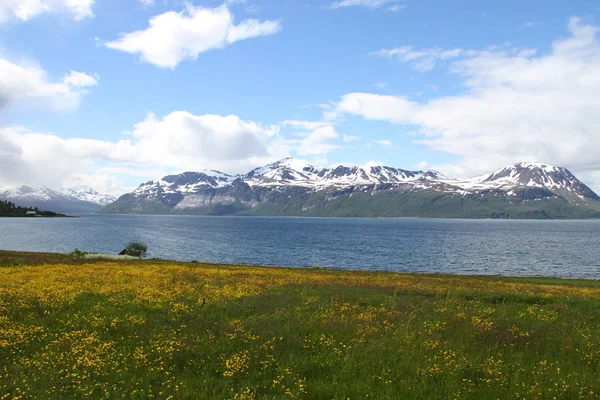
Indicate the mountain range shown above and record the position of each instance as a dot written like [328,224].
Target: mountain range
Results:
[79,199]
[292,187]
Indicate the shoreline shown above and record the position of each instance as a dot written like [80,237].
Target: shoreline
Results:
[39,216]
[7,256]
[349,218]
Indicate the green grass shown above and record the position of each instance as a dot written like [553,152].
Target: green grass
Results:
[73,328]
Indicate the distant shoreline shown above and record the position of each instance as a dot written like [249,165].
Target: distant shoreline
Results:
[39,216]
[34,257]
[340,217]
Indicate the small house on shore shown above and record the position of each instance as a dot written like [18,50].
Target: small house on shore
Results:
[31,213]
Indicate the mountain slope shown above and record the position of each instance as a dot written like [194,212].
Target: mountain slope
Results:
[292,187]
[88,194]
[73,200]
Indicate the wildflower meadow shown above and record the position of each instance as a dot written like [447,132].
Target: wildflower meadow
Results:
[101,329]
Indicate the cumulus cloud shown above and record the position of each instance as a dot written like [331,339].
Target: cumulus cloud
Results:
[24,10]
[156,146]
[178,141]
[173,37]
[20,82]
[186,141]
[515,106]
[318,142]
[80,79]
[317,137]
[365,3]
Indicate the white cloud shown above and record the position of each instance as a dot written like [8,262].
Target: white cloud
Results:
[28,83]
[25,10]
[146,3]
[350,138]
[305,125]
[102,181]
[384,142]
[376,107]
[423,165]
[318,141]
[80,79]
[421,60]
[516,106]
[176,142]
[173,37]
[316,137]
[362,3]
[186,141]
[179,141]
[397,7]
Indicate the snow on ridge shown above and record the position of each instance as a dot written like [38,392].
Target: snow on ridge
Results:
[291,172]
[545,167]
[88,194]
[525,174]
[25,192]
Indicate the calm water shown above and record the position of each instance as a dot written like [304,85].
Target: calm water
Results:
[549,248]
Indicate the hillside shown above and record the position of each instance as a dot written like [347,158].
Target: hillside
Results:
[8,209]
[292,187]
[71,200]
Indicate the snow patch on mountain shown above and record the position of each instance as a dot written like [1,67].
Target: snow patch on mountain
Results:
[30,194]
[291,172]
[527,175]
[88,194]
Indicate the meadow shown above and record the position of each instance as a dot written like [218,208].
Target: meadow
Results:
[74,328]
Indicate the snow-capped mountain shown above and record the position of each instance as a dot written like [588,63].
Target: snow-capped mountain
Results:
[532,175]
[88,194]
[293,172]
[294,187]
[187,182]
[69,200]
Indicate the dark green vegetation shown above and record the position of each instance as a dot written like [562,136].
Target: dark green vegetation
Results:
[136,249]
[424,204]
[71,328]
[9,209]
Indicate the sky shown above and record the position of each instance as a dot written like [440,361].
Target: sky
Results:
[112,93]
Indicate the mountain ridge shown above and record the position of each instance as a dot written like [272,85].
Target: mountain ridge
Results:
[79,199]
[294,187]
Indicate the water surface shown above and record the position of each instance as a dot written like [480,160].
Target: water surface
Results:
[503,247]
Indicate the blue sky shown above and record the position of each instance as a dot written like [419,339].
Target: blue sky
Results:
[464,87]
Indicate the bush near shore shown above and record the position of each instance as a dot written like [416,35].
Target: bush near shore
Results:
[73,328]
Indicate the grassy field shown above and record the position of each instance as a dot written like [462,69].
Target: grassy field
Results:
[72,328]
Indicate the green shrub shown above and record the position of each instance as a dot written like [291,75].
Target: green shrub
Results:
[136,249]
[77,253]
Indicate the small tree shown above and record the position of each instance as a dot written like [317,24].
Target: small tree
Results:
[136,249]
